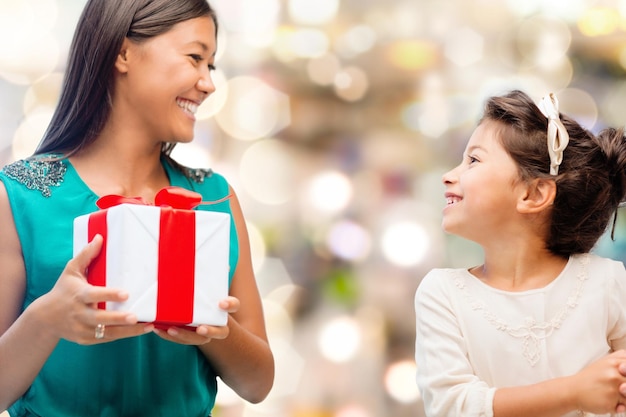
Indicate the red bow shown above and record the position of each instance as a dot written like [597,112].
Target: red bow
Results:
[175,197]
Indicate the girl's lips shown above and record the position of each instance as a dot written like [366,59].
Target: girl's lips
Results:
[452,198]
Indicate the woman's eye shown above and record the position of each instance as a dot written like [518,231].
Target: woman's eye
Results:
[471,159]
[195,57]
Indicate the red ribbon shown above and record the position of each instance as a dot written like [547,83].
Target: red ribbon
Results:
[176,263]
[175,197]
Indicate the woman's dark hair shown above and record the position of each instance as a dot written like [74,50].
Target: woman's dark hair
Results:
[85,102]
[591,180]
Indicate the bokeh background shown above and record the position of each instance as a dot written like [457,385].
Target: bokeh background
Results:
[334,121]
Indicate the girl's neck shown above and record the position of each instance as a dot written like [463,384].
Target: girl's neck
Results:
[521,270]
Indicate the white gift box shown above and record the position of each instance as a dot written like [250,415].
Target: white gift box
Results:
[175,273]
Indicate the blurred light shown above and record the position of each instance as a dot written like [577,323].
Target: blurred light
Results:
[464,47]
[267,172]
[226,397]
[323,70]
[30,132]
[544,42]
[330,191]
[400,382]
[273,276]
[340,339]
[413,55]
[615,103]
[43,94]
[429,117]
[405,243]
[349,241]
[257,246]
[283,44]
[599,21]
[622,57]
[28,50]
[313,12]
[563,9]
[253,109]
[192,155]
[579,105]
[254,17]
[216,101]
[282,295]
[351,84]
[309,43]
[289,366]
[357,40]
[278,321]
[352,410]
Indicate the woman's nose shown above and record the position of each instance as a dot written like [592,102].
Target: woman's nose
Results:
[205,82]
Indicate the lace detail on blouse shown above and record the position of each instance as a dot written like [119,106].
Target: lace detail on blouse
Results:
[529,331]
[37,174]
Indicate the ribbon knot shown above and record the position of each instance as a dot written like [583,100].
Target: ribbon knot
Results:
[175,197]
[558,138]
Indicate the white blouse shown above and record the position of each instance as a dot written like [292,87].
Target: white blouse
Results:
[472,338]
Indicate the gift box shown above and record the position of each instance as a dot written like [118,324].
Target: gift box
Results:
[172,260]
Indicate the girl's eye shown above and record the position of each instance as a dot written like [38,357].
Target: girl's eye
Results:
[471,159]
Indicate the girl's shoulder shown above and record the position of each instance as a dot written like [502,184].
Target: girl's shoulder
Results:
[598,265]
[441,280]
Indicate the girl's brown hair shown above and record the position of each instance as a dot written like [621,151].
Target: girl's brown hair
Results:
[591,181]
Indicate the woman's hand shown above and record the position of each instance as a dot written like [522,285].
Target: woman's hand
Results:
[203,334]
[71,310]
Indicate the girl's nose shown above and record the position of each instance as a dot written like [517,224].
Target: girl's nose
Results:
[448,177]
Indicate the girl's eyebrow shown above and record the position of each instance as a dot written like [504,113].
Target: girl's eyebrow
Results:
[475,147]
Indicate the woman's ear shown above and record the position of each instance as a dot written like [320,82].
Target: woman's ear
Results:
[122,61]
[538,196]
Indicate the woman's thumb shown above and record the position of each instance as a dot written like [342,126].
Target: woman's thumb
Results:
[82,260]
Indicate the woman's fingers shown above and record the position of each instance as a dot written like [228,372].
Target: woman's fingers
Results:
[81,261]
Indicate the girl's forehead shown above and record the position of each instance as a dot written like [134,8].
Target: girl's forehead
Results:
[485,134]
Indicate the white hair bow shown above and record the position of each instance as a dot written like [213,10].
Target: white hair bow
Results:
[558,138]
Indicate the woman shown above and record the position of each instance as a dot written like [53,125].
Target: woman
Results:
[137,72]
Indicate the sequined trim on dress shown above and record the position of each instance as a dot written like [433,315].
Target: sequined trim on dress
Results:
[197,174]
[529,331]
[37,174]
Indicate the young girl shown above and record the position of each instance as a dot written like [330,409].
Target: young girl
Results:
[536,330]
[137,72]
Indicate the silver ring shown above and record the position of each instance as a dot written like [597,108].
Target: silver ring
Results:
[100,331]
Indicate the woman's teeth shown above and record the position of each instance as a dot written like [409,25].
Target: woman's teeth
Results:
[188,106]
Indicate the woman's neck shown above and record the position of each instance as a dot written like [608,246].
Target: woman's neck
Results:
[121,168]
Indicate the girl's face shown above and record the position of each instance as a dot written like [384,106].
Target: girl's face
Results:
[164,79]
[482,191]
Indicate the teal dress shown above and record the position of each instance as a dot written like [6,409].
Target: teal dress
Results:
[139,376]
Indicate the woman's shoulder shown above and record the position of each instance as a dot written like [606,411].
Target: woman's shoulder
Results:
[39,172]
[212,185]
